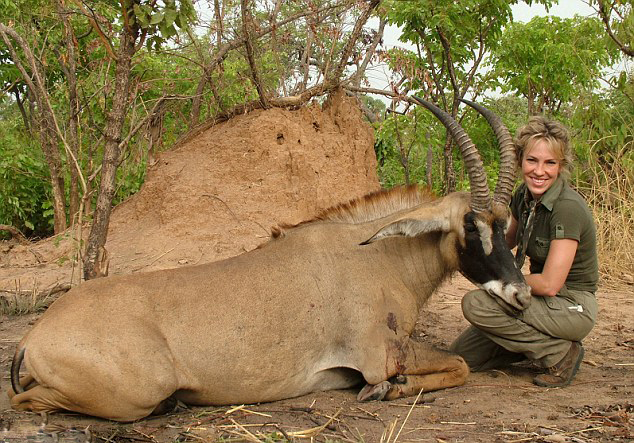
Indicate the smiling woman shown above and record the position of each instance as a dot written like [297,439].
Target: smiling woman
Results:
[553,226]
[540,167]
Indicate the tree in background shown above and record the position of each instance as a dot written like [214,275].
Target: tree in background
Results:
[137,24]
[141,23]
[618,19]
[549,60]
[452,40]
[28,71]
[103,78]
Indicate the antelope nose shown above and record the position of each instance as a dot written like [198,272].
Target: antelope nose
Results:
[523,296]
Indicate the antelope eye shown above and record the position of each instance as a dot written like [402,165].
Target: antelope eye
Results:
[470,227]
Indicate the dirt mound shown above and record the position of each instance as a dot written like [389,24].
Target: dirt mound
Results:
[218,194]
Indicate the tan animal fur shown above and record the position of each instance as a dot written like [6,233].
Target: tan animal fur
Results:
[310,310]
[327,304]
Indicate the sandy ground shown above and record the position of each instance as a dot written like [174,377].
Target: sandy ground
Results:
[216,196]
[494,406]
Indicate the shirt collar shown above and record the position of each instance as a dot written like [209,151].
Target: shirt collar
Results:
[550,196]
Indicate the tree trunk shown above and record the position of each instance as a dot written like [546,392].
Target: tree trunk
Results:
[450,173]
[198,97]
[428,166]
[51,153]
[36,83]
[68,64]
[247,27]
[20,103]
[531,99]
[95,260]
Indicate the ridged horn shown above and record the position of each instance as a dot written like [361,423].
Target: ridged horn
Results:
[508,158]
[480,197]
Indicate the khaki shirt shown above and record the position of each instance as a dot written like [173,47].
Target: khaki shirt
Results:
[561,213]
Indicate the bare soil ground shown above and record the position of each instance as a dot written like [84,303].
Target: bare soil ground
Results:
[216,196]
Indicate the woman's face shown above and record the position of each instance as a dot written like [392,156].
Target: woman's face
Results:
[540,167]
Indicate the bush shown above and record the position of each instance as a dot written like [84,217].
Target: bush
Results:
[25,191]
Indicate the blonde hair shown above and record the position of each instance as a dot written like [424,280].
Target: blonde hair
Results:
[553,133]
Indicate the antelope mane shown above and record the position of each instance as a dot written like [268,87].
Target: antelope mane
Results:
[370,207]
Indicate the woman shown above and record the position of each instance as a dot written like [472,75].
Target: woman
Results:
[553,226]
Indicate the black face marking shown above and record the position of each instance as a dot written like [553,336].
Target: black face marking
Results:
[482,266]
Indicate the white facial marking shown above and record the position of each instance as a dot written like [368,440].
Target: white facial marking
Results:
[518,296]
[493,287]
[486,234]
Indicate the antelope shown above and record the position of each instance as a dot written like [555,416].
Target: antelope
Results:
[330,303]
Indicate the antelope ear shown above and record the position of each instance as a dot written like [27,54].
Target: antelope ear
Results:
[409,227]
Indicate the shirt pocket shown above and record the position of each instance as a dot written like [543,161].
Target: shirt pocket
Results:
[542,245]
[552,303]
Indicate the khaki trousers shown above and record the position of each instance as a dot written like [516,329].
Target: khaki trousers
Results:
[501,335]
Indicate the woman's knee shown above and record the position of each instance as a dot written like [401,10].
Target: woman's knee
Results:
[474,305]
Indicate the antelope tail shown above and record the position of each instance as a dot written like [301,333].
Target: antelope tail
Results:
[15,370]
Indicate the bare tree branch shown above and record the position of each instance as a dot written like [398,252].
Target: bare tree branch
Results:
[247,25]
[370,52]
[36,84]
[223,50]
[305,62]
[107,44]
[69,66]
[452,74]
[155,109]
[353,38]
[605,12]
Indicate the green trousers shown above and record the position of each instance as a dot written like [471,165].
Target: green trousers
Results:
[501,335]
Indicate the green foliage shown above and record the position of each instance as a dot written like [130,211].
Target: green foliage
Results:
[24,186]
[550,59]
[471,28]
[130,178]
[603,125]
[430,134]
[618,17]
[606,127]
[375,105]
[402,143]
[160,19]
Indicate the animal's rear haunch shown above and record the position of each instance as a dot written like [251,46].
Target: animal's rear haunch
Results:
[317,307]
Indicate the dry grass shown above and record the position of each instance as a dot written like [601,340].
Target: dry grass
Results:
[610,194]
[21,302]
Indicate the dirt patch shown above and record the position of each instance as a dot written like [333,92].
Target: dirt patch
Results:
[216,196]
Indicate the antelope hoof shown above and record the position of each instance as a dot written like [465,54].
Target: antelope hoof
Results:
[374,392]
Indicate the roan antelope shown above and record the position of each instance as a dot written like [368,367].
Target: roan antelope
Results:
[328,304]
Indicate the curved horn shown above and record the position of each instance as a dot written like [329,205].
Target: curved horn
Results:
[480,198]
[508,158]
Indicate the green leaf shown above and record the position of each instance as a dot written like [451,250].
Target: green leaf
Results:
[157,18]
[170,16]
[141,16]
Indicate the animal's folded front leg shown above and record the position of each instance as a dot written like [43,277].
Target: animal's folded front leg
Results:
[420,367]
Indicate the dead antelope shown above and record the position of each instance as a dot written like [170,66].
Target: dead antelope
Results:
[327,304]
